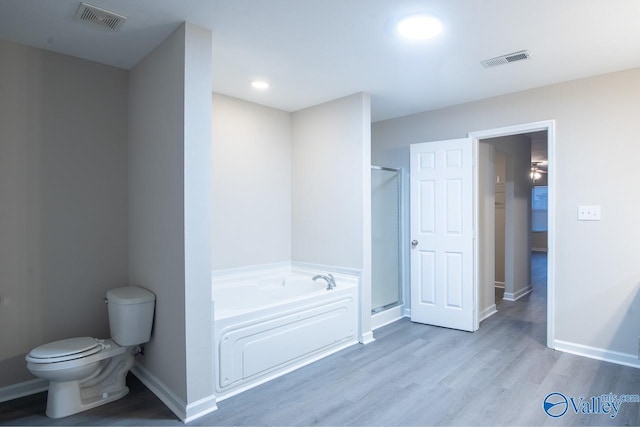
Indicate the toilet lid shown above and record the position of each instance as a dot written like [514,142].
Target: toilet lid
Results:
[69,349]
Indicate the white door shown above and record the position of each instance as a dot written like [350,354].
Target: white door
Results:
[442,277]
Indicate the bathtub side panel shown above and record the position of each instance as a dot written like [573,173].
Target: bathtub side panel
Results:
[251,349]
[270,321]
[295,341]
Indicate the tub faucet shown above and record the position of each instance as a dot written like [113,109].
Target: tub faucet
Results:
[331,281]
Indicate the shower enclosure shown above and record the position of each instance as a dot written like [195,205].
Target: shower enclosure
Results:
[386,232]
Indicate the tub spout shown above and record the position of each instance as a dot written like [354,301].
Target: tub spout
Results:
[331,281]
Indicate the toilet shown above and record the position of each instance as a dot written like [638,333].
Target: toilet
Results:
[86,372]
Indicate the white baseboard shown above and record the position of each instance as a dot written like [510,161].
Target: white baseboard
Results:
[487,312]
[25,388]
[508,296]
[407,312]
[385,317]
[499,285]
[605,355]
[186,412]
[367,338]
[200,408]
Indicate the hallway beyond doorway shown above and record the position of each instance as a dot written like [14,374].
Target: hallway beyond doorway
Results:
[538,281]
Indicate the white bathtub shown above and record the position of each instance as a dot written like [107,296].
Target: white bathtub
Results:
[270,323]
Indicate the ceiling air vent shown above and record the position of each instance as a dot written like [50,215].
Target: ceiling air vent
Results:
[100,17]
[506,59]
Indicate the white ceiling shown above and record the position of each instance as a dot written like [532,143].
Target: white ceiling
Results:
[313,51]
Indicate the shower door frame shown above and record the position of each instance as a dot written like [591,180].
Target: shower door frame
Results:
[402,254]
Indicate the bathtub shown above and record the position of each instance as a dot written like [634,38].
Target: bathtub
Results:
[270,323]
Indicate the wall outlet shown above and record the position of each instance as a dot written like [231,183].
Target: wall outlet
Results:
[588,213]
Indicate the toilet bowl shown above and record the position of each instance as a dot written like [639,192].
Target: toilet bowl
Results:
[86,372]
[83,373]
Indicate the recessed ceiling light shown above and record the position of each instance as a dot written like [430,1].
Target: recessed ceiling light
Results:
[419,27]
[260,84]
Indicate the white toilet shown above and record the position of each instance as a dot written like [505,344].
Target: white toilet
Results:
[87,372]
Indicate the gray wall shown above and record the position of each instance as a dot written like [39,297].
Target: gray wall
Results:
[63,199]
[597,277]
[500,164]
[156,195]
[331,197]
[486,231]
[517,213]
[197,227]
[169,199]
[251,184]
[289,186]
[327,183]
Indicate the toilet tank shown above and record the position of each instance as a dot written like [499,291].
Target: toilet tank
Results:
[130,315]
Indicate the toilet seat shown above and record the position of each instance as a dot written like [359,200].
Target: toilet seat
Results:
[64,350]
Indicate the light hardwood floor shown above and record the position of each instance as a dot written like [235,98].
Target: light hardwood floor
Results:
[411,375]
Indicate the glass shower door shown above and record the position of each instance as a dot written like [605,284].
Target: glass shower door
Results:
[385,234]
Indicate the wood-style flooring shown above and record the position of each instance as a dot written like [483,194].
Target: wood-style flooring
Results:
[412,375]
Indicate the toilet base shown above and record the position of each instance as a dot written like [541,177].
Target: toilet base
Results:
[108,384]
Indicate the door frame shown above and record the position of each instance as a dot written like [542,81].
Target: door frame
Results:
[549,126]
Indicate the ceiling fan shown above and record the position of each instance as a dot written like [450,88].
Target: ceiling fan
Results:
[536,172]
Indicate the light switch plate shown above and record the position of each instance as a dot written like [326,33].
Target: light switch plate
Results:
[588,213]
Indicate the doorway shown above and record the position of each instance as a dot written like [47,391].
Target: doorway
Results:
[519,164]
[480,172]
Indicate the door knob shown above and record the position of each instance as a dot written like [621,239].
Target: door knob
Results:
[414,243]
